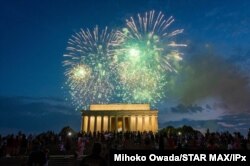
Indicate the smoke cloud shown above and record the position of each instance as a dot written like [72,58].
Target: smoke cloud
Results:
[206,74]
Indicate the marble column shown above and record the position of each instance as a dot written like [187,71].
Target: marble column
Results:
[153,123]
[95,122]
[116,123]
[102,121]
[123,124]
[143,123]
[108,123]
[136,123]
[156,123]
[85,127]
[149,124]
[129,123]
[88,128]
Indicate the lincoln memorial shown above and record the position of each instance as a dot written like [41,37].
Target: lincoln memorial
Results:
[119,117]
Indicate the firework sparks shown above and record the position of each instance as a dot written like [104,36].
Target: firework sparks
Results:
[147,53]
[88,70]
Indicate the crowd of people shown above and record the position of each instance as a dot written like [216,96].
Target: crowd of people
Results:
[81,144]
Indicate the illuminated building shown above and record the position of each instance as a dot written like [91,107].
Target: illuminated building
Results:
[119,117]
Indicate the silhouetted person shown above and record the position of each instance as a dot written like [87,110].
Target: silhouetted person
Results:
[37,157]
[248,136]
[67,145]
[94,159]
[161,142]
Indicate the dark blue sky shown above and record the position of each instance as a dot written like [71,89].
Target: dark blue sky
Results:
[34,34]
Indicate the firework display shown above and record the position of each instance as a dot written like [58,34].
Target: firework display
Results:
[88,70]
[145,57]
[131,64]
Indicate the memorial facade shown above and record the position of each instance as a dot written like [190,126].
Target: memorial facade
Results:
[119,117]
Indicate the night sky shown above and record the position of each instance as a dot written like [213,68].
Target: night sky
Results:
[210,91]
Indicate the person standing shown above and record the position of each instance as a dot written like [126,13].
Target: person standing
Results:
[95,158]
